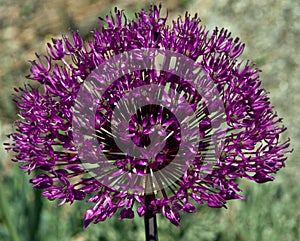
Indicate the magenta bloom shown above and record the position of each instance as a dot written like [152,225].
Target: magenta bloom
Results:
[248,137]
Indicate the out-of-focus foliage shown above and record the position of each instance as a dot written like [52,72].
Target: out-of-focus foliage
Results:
[271,30]
[270,212]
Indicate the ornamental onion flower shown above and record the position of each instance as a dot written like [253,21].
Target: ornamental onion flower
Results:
[220,124]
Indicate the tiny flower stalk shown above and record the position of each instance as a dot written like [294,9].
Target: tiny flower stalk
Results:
[150,221]
[146,118]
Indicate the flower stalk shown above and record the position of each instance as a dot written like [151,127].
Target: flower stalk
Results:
[150,221]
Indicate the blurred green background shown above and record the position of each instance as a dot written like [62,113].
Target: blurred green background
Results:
[271,31]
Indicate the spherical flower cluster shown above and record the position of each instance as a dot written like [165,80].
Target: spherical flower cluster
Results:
[44,136]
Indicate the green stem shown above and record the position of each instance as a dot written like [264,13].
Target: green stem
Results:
[35,218]
[150,222]
[35,215]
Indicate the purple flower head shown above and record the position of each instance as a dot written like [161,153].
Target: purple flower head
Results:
[146,109]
